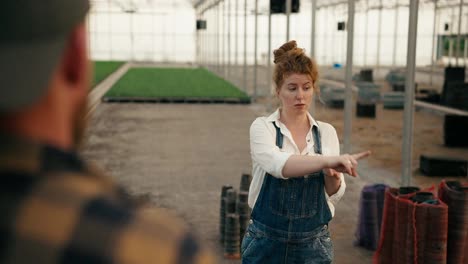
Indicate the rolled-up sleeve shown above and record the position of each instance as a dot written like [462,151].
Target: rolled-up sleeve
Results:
[333,147]
[264,151]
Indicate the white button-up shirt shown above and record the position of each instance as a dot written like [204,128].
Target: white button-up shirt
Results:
[267,157]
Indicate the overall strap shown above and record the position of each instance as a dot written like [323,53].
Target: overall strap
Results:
[315,132]
[317,140]
[279,136]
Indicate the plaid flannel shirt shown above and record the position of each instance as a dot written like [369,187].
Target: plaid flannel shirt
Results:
[55,209]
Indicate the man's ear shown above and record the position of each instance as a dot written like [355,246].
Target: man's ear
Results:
[75,57]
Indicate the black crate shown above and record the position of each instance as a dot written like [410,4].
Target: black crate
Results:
[398,87]
[201,24]
[456,131]
[442,166]
[429,96]
[279,6]
[452,75]
[341,26]
[456,95]
[365,110]
[366,75]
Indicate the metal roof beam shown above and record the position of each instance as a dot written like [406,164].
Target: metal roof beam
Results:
[450,6]
[332,4]
[215,3]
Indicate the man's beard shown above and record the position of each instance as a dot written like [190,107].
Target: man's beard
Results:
[80,124]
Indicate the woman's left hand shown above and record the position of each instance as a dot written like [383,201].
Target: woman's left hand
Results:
[331,172]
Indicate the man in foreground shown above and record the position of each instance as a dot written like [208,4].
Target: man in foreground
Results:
[54,207]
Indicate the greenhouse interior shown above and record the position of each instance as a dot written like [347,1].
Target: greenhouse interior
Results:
[180,87]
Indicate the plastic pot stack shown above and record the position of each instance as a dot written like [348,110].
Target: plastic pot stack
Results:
[234,216]
[430,234]
[243,210]
[414,227]
[232,227]
[384,252]
[222,211]
[387,249]
[370,216]
[246,179]
[455,195]
[232,237]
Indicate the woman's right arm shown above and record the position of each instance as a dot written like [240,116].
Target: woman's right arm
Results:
[264,150]
[297,165]
[287,165]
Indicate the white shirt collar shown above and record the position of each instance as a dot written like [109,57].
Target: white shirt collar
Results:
[275,116]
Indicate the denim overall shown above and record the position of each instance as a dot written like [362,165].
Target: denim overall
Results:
[290,219]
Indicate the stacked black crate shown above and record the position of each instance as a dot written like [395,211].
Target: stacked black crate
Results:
[243,210]
[455,131]
[368,96]
[246,179]
[232,227]
[222,212]
[456,95]
[452,75]
[443,166]
[366,75]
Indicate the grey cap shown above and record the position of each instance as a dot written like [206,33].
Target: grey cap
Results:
[33,35]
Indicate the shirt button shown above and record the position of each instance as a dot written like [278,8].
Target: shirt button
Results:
[250,221]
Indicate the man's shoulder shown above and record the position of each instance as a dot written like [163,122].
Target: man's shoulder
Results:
[86,216]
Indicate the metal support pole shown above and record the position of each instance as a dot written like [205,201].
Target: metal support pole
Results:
[434,38]
[288,14]
[229,39]
[132,37]
[223,38]
[334,41]
[452,25]
[153,40]
[366,33]
[245,45]
[349,72]
[343,47]
[218,38]
[395,34]
[457,52]
[312,44]
[409,95]
[197,47]
[109,23]
[202,43]
[313,28]
[269,76]
[236,47]
[209,38]
[88,27]
[212,52]
[440,47]
[255,52]
[450,50]
[326,36]
[465,50]
[379,35]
